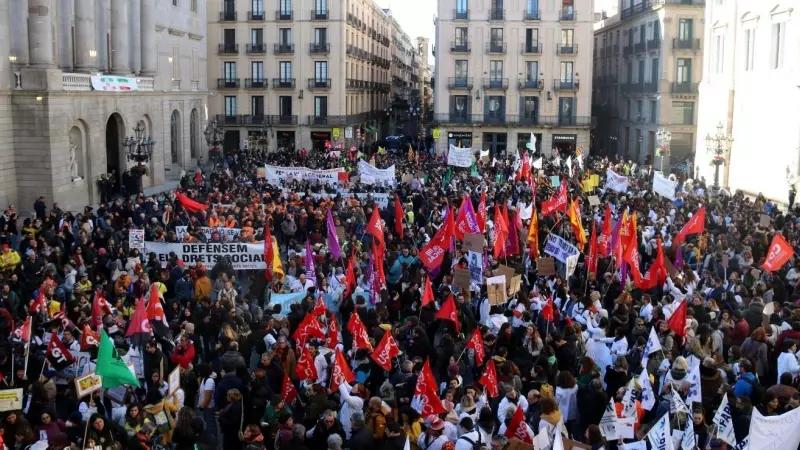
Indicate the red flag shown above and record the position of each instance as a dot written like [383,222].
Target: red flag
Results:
[574,215]
[377,262]
[59,357]
[631,255]
[100,307]
[500,233]
[548,312]
[604,241]
[385,351]
[23,333]
[319,307]
[656,274]
[268,251]
[189,204]
[696,224]
[433,252]
[139,328]
[155,312]
[482,212]
[448,312]
[557,202]
[375,226]
[398,216]
[489,379]
[306,370]
[426,402]
[591,259]
[341,373]
[512,229]
[89,338]
[288,391]
[359,332]
[350,277]
[309,327]
[779,252]
[427,294]
[39,305]
[677,321]
[517,428]
[476,343]
[333,332]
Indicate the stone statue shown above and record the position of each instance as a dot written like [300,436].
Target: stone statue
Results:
[73,161]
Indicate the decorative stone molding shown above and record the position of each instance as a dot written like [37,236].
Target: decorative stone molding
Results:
[196,37]
[175,32]
[160,27]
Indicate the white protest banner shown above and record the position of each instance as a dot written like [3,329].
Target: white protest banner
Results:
[537,164]
[724,422]
[660,436]
[459,157]
[572,264]
[11,399]
[559,249]
[242,256]
[277,174]
[648,396]
[775,432]
[695,394]
[372,175]
[227,234]
[382,199]
[136,239]
[616,182]
[475,260]
[689,440]
[286,301]
[638,445]
[608,423]
[664,186]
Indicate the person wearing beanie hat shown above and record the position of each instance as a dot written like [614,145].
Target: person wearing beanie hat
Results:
[433,438]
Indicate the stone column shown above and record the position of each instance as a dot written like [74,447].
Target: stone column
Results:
[64,41]
[120,39]
[85,36]
[136,36]
[148,37]
[18,13]
[40,32]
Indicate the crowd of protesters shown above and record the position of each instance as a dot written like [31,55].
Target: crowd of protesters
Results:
[257,376]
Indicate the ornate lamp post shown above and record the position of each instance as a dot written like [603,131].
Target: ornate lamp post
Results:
[663,137]
[213,135]
[718,146]
[139,149]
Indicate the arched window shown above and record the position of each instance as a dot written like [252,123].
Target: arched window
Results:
[76,149]
[175,135]
[194,133]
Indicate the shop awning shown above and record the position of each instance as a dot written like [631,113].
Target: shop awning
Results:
[371,129]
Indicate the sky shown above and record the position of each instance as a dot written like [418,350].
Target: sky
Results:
[415,16]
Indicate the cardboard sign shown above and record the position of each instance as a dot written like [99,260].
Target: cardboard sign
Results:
[11,399]
[594,200]
[340,233]
[407,178]
[174,380]
[764,220]
[725,260]
[506,272]
[461,278]
[473,242]
[546,266]
[516,283]
[87,384]
[496,288]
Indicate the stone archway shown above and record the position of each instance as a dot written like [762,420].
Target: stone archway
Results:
[175,137]
[115,129]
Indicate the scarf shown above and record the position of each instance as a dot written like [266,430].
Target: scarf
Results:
[553,418]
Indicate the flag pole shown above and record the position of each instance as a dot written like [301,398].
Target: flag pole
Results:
[27,353]
[86,428]
[45,363]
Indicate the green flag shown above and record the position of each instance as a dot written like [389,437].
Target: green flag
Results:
[109,365]
[473,171]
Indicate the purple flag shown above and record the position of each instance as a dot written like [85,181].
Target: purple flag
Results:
[333,239]
[624,273]
[472,219]
[452,240]
[370,264]
[679,258]
[614,238]
[311,270]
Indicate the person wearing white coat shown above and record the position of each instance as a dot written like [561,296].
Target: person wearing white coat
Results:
[619,345]
[787,361]
[512,399]
[351,403]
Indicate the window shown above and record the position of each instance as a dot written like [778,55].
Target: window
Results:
[654,70]
[285,105]
[174,2]
[630,38]
[459,105]
[285,71]
[566,71]
[639,109]
[461,6]
[229,71]
[567,8]
[193,6]
[461,36]
[257,36]
[494,106]
[685,30]
[653,111]
[229,37]
[684,74]
[642,32]
[749,48]
[495,70]
[258,7]
[683,113]
[257,70]
[778,45]
[320,106]
[462,68]
[532,71]
[530,107]
[718,53]
[285,7]
[640,72]
[230,105]
[285,36]
[628,109]
[567,38]
[532,6]
[321,70]
[656,31]
[566,110]
[321,6]
[320,36]
[496,37]
[629,72]
[257,105]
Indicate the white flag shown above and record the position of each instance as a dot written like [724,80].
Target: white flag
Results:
[638,445]
[569,165]
[408,445]
[608,423]
[724,422]
[676,404]
[689,440]
[695,394]
[558,442]
[744,445]
[629,401]
[648,396]
[775,432]
[660,437]
[653,344]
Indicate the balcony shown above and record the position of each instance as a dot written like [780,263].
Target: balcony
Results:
[635,10]
[319,84]
[680,2]
[255,83]
[283,83]
[495,83]
[651,86]
[627,50]
[227,83]
[460,47]
[284,49]
[319,15]
[525,84]
[454,117]
[523,119]
[460,83]
[532,15]
[256,49]
[565,85]
[327,120]
[226,119]
[633,88]
[254,120]
[686,44]
[497,14]
[228,49]
[566,121]
[497,48]
[460,15]
[640,47]
[567,15]
[284,16]
[496,118]
[283,119]
[566,49]
[531,48]
[255,16]
[653,44]
[227,16]
[684,87]
[315,48]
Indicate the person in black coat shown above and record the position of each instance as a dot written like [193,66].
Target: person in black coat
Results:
[361,438]
[230,419]
[395,437]
[592,402]
[317,437]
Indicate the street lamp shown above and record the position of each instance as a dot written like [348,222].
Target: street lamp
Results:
[139,148]
[718,146]
[663,137]
[213,135]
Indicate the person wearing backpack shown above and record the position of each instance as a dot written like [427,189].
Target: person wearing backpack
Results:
[472,438]
[747,385]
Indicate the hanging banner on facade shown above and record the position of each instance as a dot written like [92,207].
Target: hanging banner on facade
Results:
[460,157]
[277,174]
[372,175]
[616,182]
[112,83]
[243,256]
[226,234]
[664,186]
[558,248]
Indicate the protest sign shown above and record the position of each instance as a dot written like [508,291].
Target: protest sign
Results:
[277,174]
[461,278]
[473,242]
[775,432]
[663,186]
[546,267]
[407,178]
[459,157]
[506,272]
[572,264]
[242,256]
[555,181]
[11,399]
[594,200]
[226,234]
[616,182]
[136,239]
[496,288]
[559,248]
[764,220]
[340,233]
[174,380]
[516,283]
[87,384]
[372,175]
[475,260]
[285,301]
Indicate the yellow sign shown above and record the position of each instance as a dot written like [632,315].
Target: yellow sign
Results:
[10,399]
[436,133]
[336,133]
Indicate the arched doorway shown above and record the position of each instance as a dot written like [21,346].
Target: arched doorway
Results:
[194,133]
[114,134]
[175,136]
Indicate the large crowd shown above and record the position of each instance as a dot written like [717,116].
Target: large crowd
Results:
[677,326]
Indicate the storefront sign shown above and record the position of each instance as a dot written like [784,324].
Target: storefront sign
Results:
[436,133]
[459,135]
[348,133]
[565,137]
[336,132]
[242,256]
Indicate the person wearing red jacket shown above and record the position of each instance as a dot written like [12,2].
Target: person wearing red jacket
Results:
[184,353]
[741,330]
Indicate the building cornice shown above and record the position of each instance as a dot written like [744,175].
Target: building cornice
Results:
[176,32]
